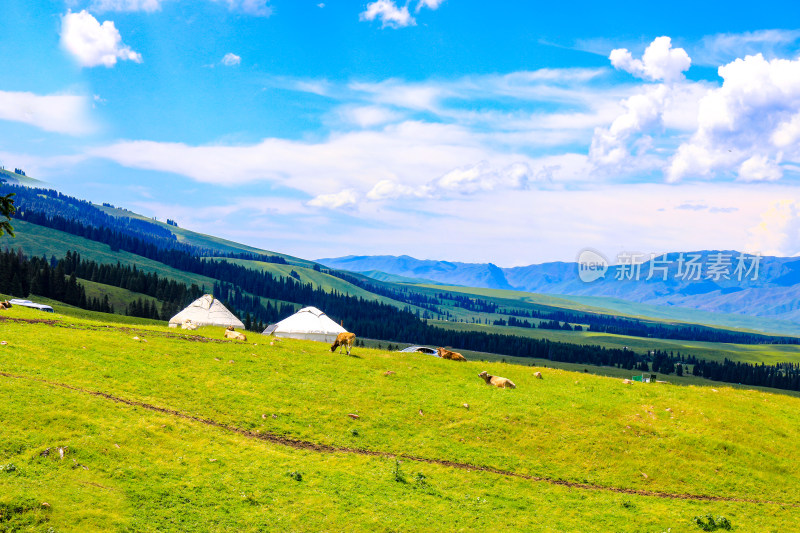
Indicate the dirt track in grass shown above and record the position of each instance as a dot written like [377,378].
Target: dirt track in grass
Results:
[326,448]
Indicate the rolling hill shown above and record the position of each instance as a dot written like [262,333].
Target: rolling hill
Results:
[160,432]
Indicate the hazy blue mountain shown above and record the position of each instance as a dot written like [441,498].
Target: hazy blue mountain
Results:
[774,293]
[470,274]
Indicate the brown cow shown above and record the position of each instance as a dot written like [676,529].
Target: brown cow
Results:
[5,305]
[447,354]
[497,381]
[345,340]
[231,334]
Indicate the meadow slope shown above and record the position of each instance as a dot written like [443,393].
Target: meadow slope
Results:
[570,452]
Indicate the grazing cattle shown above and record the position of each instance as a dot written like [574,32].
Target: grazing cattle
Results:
[497,381]
[627,381]
[537,375]
[6,305]
[447,354]
[231,334]
[188,324]
[345,340]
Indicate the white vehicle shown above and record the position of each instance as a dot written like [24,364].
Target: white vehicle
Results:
[32,305]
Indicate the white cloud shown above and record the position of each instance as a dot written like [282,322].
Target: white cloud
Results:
[406,159]
[754,111]
[61,113]
[660,61]
[368,116]
[721,48]
[42,167]
[658,110]
[102,6]
[258,8]
[389,14]
[390,190]
[92,43]
[430,4]
[482,177]
[760,168]
[231,59]
[346,198]
[778,231]
[148,6]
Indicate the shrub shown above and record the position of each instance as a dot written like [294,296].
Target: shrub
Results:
[398,473]
[709,523]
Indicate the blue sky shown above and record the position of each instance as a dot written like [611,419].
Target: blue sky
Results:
[513,133]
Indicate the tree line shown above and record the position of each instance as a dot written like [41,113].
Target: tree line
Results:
[639,328]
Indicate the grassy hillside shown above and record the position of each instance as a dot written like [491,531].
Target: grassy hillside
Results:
[567,452]
[118,298]
[713,351]
[13,177]
[615,306]
[40,241]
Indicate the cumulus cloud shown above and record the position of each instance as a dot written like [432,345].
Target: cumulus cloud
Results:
[60,113]
[388,13]
[760,168]
[483,177]
[92,43]
[231,60]
[660,61]
[748,125]
[650,116]
[346,198]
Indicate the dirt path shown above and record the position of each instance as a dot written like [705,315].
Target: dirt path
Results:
[326,448]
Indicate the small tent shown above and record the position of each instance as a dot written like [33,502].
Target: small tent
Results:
[206,311]
[309,323]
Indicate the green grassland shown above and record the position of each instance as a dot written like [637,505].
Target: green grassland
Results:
[712,351]
[597,370]
[128,467]
[618,307]
[118,297]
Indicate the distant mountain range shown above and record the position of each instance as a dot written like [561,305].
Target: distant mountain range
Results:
[774,293]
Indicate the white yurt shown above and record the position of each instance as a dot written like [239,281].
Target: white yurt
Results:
[309,324]
[206,311]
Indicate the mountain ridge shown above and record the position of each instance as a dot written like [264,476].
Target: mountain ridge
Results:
[773,290]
